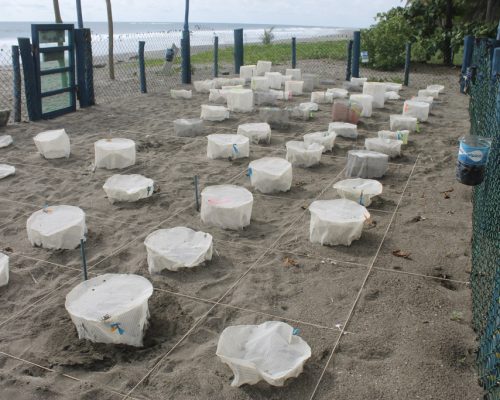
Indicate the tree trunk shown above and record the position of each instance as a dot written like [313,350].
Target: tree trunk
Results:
[111,63]
[489,11]
[57,12]
[447,50]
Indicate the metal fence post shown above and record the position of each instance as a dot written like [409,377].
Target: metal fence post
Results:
[89,67]
[238,50]
[467,59]
[407,64]
[356,54]
[16,83]
[30,85]
[186,57]
[142,67]
[495,65]
[216,56]
[294,52]
[349,61]
[80,67]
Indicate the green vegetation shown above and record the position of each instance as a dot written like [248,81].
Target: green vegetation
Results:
[436,29]
[277,52]
[268,36]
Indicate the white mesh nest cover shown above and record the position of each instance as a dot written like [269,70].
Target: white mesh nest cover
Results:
[240,100]
[222,145]
[270,174]
[247,71]
[309,106]
[428,93]
[398,135]
[326,139]
[111,308]
[377,90]
[6,170]
[358,81]
[335,222]
[391,147]
[366,164]
[128,187]
[4,269]
[438,88]
[257,132]
[403,122]
[344,129]
[338,93]
[226,206]
[204,86]
[114,153]
[177,248]
[214,113]
[190,127]
[301,154]
[5,140]
[321,97]
[295,87]
[294,73]
[359,190]
[417,109]
[392,95]
[53,144]
[393,87]
[263,67]
[181,94]
[57,227]
[217,96]
[275,79]
[269,352]
[260,83]
[365,101]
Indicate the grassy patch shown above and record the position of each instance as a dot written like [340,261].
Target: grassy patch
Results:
[277,53]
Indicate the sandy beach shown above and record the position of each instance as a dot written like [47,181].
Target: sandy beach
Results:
[408,332]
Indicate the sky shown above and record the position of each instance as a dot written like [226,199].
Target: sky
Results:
[336,13]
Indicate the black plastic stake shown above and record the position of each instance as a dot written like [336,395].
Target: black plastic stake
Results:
[84,259]
[196,193]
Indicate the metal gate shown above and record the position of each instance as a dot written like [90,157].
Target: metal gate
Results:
[54,62]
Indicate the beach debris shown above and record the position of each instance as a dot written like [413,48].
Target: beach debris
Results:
[289,262]
[418,218]
[402,254]
[446,193]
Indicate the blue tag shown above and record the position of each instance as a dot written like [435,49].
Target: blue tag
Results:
[296,331]
[235,148]
[249,172]
[361,199]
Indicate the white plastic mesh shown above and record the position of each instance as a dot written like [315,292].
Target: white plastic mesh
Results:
[6,170]
[301,154]
[4,269]
[270,174]
[222,145]
[366,164]
[391,147]
[269,352]
[336,222]
[326,139]
[114,153]
[359,190]
[257,132]
[128,188]
[111,308]
[53,144]
[177,248]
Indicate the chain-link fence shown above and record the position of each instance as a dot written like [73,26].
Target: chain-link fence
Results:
[326,56]
[484,91]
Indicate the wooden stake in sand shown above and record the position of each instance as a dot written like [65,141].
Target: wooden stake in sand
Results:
[84,259]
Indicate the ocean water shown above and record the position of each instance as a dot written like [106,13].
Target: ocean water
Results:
[127,34]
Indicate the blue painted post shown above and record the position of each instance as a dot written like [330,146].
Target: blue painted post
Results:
[407,64]
[79,13]
[80,67]
[142,67]
[356,54]
[294,52]
[216,56]
[349,61]
[197,192]
[467,59]
[238,50]
[186,48]
[89,67]
[16,83]
[498,31]
[33,101]
[495,66]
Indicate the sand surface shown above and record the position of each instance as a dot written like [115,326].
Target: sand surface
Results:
[407,337]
